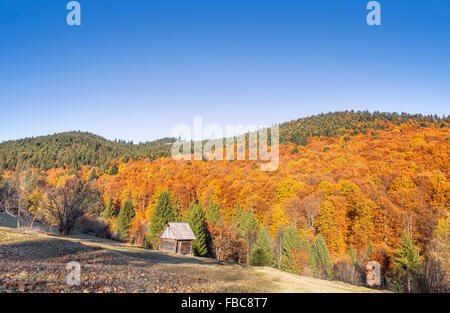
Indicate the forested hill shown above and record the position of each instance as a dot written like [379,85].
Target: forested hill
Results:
[76,149]
[351,123]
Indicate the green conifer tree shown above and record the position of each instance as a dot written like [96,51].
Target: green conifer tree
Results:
[196,219]
[323,259]
[312,264]
[124,219]
[237,213]
[213,212]
[247,226]
[408,262]
[352,254]
[177,212]
[262,254]
[369,251]
[291,245]
[164,213]
[110,210]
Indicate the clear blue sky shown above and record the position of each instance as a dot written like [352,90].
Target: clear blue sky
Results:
[136,68]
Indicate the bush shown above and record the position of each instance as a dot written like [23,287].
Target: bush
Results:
[349,272]
[90,225]
[433,279]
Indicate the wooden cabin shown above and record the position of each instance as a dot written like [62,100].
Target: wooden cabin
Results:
[177,238]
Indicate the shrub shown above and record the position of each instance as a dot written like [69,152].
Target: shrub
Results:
[90,225]
[349,272]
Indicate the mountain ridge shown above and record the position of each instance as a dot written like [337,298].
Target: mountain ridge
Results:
[78,148]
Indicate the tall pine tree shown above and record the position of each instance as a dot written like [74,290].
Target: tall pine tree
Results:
[323,259]
[124,219]
[291,248]
[213,212]
[177,213]
[262,254]
[164,213]
[196,219]
[408,263]
[110,210]
[312,264]
[247,226]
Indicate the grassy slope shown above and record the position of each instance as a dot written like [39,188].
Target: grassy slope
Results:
[35,262]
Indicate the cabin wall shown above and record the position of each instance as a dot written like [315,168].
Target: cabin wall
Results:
[184,247]
[168,245]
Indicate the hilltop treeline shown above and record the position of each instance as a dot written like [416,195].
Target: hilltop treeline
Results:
[350,123]
[75,149]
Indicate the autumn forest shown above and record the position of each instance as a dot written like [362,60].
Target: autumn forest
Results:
[351,187]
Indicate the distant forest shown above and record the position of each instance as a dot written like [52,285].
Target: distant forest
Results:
[76,149]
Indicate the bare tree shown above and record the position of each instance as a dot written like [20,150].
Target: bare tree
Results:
[8,199]
[14,195]
[309,207]
[66,204]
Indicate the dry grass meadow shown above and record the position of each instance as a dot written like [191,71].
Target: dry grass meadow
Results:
[36,262]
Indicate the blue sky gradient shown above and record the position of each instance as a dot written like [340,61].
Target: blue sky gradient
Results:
[136,68]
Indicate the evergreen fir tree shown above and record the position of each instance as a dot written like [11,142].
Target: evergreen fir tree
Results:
[237,213]
[213,212]
[323,259]
[352,254]
[312,264]
[247,226]
[278,245]
[164,213]
[196,219]
[110,210]
[408,262]
[124,219]
[291,245]
[369,251]
[177,213]
[262,254]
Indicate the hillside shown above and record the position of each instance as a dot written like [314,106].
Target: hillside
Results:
[355,186]
[76,149]
[33,262]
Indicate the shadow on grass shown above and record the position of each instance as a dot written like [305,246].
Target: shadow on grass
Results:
[93,250]
[43,249]
[153,256]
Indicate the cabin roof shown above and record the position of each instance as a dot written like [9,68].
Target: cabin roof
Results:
[178,231]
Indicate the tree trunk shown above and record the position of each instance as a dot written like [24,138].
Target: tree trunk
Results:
[18,216]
